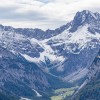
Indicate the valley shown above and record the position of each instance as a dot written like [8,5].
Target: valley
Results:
[52,64]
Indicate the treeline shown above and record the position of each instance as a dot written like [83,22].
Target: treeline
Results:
[4,96]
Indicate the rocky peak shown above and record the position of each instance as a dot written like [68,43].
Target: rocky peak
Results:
[85,17]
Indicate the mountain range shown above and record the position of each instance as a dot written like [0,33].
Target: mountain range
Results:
[33,60]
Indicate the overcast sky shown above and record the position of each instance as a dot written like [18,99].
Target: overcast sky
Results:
[43,13]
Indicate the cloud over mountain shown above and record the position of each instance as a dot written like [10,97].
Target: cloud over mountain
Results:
[42,13]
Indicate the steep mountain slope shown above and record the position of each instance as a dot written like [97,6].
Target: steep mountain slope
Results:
[91,91]
[20,77]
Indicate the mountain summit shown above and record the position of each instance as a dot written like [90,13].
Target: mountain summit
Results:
[85,17]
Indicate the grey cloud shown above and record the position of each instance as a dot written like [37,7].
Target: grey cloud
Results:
[44,13]
[9,13]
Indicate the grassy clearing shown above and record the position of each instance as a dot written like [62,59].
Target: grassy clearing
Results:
[60,94]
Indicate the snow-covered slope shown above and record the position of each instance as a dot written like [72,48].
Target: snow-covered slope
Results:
[78,46]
